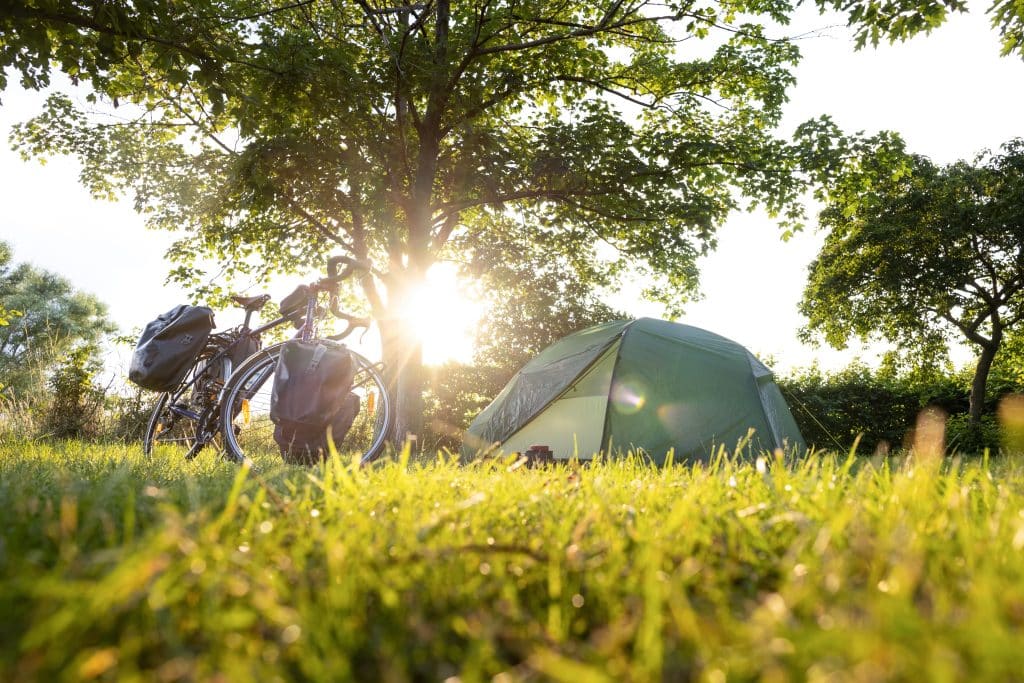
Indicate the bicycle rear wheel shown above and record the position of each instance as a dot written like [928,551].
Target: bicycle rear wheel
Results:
[187,417]
[167,425]
[245,410]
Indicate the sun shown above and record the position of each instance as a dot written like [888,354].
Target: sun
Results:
[444,316]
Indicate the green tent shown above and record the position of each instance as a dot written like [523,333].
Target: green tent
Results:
[638,385]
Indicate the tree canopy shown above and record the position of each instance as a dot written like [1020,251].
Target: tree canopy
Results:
[617,134]
[52,319]
[898,20]
[921,254]
[529,304]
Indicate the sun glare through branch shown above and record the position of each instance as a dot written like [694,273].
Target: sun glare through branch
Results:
[443,315]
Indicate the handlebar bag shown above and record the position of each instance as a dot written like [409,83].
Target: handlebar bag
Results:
[307,445]
[293,306]
[312,381]
[168,347]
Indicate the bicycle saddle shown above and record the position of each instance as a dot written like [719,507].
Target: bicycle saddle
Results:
[251,303]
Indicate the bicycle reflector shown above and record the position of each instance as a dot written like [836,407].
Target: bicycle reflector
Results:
[371,398]
[246,415]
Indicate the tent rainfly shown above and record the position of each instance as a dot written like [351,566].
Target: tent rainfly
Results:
[642,385]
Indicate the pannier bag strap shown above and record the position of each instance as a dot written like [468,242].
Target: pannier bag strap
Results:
[318,355]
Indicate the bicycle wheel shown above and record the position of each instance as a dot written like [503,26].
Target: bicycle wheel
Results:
[168,425]
[248,430]
[187,417]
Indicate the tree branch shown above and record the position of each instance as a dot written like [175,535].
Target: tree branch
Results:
[84,22]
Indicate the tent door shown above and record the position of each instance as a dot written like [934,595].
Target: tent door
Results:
[573,424]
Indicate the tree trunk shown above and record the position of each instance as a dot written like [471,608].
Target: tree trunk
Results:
[988,354]
[403,369]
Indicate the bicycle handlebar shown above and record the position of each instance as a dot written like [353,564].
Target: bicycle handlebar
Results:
[334,277]
[353,324]
[351,265]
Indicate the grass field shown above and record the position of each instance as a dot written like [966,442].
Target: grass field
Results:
[113,566]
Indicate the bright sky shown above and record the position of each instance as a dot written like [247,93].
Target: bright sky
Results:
[949,94]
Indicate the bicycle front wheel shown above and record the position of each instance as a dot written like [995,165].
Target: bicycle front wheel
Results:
[245,410]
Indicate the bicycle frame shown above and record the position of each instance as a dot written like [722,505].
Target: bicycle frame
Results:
[222,356]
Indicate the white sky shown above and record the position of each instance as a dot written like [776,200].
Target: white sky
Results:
[949,94]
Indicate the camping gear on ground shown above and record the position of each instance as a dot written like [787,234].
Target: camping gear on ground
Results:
[644,385]
[311,393]
[539,455]
[168,347]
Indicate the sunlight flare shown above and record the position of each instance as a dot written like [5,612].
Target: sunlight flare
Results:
[444,315]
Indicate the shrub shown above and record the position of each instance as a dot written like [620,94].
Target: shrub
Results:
[76,404]
[961,437]
[832,410]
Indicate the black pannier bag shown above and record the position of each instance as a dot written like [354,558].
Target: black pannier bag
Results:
[311,392]
[308,445]
[168,347]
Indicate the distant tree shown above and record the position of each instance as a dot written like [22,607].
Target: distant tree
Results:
[531,302]
[269,134]
[920,254]
[898,20]
[53,319]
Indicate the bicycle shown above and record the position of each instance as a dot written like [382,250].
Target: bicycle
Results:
[189,414]
[245,402]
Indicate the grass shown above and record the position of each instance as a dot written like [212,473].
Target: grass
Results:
[113,566]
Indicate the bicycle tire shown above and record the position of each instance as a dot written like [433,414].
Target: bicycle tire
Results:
[247,429]
[162,421]
[174,423]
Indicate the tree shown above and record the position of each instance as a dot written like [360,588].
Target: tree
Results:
[53,319]
[530,304]
[269,135]
[920,254]
[85,39]
[899,20]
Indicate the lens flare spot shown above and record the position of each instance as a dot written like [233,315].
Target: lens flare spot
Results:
[672,417]
[1011,419]
[628,395]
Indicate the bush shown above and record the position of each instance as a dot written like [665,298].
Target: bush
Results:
[961,437]
[128,415]
[455,394]
[832,410]
[882,405]
[76,404]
